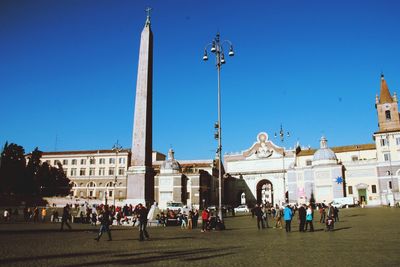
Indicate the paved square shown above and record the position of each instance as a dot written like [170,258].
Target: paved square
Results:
[363,237]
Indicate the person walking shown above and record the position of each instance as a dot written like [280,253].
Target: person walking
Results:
[142,213]
[302,217]
[258,213]
[287,216]
[322,212]
[105,220]
[330,220]
[309,218]
[44,213]
[65,217]
[204,217]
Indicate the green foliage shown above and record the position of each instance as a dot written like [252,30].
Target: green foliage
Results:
[12,169]
[32,179]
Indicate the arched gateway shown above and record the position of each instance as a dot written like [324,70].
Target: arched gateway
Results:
[265,192]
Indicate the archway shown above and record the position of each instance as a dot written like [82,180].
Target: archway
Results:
[265,192]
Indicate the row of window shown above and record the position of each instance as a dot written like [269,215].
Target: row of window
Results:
[92,194]
[92,161]
[92,171]
[385,141]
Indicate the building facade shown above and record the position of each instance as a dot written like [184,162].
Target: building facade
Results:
[367,172]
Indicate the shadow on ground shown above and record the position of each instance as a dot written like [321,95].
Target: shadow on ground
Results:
[146,258]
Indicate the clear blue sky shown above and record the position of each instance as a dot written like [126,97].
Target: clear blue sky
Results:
[68,72]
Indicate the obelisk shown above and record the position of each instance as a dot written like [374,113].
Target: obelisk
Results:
[140,175]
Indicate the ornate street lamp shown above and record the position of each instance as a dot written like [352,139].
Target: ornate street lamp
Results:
[116,148]
[282,138]
[217,48]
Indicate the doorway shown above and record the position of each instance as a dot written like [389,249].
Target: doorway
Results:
[362,195]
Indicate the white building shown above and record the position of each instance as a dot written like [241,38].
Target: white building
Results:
[367,172]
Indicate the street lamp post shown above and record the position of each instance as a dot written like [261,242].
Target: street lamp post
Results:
[116,148]
[282,137]
[217,49]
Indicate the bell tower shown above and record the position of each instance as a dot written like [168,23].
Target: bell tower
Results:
[387,108]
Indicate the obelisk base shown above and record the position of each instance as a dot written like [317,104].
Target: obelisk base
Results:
[140,185]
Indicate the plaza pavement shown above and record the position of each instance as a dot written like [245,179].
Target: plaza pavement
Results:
[363,237]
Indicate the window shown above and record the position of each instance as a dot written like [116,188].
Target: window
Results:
[354,158]
[82,172]
[122,160]
[387,115]
[390,184]
[65,162]
[73,172]
[111,161]
[398,141]
[111,171]
[90,193]
[73,162]
[56,162]
[110,193]
[386,156]
[121,171]
[384,142]
[102,171]
[92,161]
[91,171]
[65,171]
[102,161]
[48,162]
[350,189]
[83,161]
[373,188]
[91,184]
[308,162]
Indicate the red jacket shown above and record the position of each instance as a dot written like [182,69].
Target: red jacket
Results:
[204,215]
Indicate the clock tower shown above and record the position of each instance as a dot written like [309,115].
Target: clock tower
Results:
[387,108]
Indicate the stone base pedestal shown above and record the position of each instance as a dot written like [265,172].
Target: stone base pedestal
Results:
[140,185]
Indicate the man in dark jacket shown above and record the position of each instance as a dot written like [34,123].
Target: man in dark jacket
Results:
[258,213]
[105,219]
[142,216]
[302,218]
[65,217]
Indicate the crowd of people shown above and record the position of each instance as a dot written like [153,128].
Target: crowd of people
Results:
[328,216]
[140,216]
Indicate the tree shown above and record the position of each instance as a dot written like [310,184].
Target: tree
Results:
[52,181]
[32,168]
[312,200]
[12,169]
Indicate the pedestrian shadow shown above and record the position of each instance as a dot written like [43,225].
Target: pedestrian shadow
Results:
[156,239]
[42,231]
[164,256]
[342,228]
[354,215]
[15,260]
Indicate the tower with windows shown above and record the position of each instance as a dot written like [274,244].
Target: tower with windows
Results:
[387,108]
[387,141]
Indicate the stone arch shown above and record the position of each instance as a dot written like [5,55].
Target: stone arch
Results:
[265,192]
[91,184]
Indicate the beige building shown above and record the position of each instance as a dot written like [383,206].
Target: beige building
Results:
[100,176]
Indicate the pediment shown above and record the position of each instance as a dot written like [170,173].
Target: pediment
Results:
[263,148]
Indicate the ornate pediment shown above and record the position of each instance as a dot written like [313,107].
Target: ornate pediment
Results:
[263,148]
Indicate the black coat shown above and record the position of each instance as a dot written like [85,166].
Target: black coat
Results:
[302,213]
